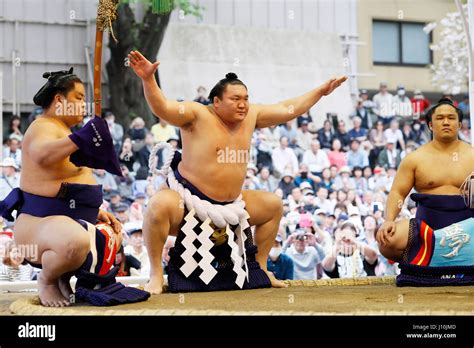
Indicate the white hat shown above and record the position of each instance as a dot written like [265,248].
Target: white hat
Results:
[8,162]
[305,185]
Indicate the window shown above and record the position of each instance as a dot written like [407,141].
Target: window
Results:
[400,43]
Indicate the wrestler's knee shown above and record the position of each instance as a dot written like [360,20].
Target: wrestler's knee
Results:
[274,204]
[165,204]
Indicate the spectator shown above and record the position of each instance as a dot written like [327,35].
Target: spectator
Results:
[326,135]
[364,110]
[306,117]
[322,201]
[121,212]
[116,131]
[390,156]
[9,178]
[343,180]
[356,157]
[266,181]
[137,133]
[465,131]
[408,133]
[200,98]
[419,104]
[315,158]
[306,254]
[124,182]
[144,153]
[14,128]
[288,130]
[136,248]
[106,180]
[349,257]
[272,135]
[361,184]
[280,264]
[305,176]
[464,106]
[383,104]
[378,140]
[126,263]
[336,156]
[284,158]
[126,156]
[358,132]
[286,184]
[402,104]
[115,199]
[14,266]
[141,181]
[343,135]
[162,131]
[304,137]
[13,151]
[395,135]
[327,180]
[419,134]
[264,152]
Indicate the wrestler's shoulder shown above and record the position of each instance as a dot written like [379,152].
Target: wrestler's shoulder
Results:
[43,129]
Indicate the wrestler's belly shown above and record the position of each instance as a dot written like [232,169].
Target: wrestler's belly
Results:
[221,185]
[440,190]
[47,186]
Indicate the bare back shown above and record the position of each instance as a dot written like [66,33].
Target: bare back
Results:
[214,156]
[46,180]
[442,172]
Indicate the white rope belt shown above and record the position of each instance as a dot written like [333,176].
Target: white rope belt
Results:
[221,215]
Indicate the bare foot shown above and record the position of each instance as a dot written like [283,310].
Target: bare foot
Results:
[65,286]
[275,282]
[155,285]
[49,293]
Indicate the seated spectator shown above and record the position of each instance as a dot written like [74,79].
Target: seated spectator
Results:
[343,180]
[9,178]
[349,257]
[144,153]
[137,133]
[284,158]
[266,181]
[326,135]
[464,132]
[264,152]
[306,254]
[361,184]
[295,198]
[13,266]
[304,137]
[390,156]
[162,131]
[305,176]
[13,150]
[126,263]
[141,181]
[408,133]
[464,105]
[14,128]
[201,97]
[315,158]
[364,110]
[336,156]
[358,132]
[357,157]
[419,104]
[280,264]
[306,117]
[126,156]
[116,131]
[394,134]
[121,212]
[272,135]
[322,202]
[136,248]
[327,180]
[342,135]
[137,208]
[288,130]
[286,184]
[124,182]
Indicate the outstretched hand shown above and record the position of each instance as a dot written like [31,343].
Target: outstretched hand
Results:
[329,86]
[142,66]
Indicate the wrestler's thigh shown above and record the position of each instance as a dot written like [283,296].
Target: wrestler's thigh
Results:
[166,205]
[262,206]
[58,233]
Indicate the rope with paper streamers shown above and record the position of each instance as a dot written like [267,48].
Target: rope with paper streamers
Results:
[233,213]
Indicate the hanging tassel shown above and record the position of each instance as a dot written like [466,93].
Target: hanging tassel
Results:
[161,6]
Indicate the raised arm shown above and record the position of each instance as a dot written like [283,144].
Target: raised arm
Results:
[268,115]
[177,113]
